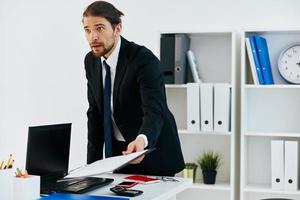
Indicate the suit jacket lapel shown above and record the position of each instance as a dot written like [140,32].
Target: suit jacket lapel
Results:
[120,70]
[98,83]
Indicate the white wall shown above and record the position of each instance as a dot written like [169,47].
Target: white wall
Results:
[42,73]
[42,47]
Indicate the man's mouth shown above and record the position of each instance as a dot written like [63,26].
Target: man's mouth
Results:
[96,45]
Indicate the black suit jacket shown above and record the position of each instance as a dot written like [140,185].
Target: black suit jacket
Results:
[140,107]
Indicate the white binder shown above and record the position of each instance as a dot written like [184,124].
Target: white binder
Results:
[221,107]
[251,61]
[193,65]
[291,166]
[193,107]
[277,164]
[206,108]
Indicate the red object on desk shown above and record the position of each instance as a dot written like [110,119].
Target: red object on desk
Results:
[142,179]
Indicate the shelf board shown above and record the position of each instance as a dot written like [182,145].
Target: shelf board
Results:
[266,188]
[218,186]
[175,85]
[279,86]
[186,132]
[273,30]
[273,134]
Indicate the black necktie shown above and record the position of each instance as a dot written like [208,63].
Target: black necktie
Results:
[107,112]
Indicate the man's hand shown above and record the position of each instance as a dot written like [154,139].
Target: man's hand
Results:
[135,146]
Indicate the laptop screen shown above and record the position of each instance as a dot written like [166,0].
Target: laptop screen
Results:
[48,149]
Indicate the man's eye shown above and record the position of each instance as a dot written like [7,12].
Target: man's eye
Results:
[87,30]
[100,29]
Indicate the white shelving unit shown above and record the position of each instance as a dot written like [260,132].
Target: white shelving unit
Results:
[215,54]
[268,112]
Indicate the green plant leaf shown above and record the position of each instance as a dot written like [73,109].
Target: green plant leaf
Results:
[190,165]
[209,161]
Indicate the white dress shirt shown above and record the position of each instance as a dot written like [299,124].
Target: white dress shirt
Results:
[112,61]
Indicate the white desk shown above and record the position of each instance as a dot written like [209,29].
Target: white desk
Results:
[155,191]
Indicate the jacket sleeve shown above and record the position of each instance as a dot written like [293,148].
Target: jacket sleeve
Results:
[94,124]
[150,79]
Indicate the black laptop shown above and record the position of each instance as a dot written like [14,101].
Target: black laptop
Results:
[48,150]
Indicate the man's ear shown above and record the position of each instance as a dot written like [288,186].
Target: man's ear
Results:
[118,29]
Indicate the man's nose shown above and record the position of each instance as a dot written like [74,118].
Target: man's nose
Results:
[95,35]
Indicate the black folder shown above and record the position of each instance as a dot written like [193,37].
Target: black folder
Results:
[173,48]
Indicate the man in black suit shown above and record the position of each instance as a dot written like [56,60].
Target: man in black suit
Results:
[127,101]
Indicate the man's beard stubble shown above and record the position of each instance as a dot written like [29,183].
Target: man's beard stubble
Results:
[105,50]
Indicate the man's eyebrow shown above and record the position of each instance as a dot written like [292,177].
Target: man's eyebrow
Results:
[99,24]
[96,25]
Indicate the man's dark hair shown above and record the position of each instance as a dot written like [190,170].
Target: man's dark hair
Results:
[106,10]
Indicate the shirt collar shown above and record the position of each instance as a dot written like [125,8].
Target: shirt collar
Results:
[112,60]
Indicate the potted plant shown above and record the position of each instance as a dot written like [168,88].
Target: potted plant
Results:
[209,162]
[189,171]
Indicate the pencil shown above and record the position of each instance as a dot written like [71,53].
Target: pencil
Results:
[9,160]
[19,171]
[1,165]
[11,164]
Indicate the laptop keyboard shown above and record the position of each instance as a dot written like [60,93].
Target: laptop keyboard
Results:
[75,186]
[80,185]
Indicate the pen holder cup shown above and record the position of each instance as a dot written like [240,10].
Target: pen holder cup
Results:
[27,188]
[6,184]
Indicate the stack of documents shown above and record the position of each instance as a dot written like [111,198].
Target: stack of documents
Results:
[106,165]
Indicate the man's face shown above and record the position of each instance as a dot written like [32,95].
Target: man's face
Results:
[100,35]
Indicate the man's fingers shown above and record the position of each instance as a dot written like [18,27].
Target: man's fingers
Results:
[130,149]
[135,146]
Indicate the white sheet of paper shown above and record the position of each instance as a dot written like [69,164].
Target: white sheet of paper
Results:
[103,166]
